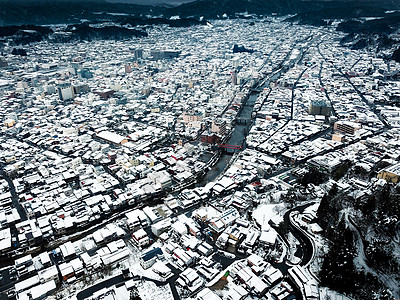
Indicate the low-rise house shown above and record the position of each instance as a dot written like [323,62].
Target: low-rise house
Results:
[150,257]
[45,259]
[162,269]
[257,286]
[141,238]
[48,274]
[136,219]
[237,292]
[5,240]
[24,265]
[66,271]
[178,228]
[305,282]
[268,237]
[77,265]
[91,263]
[189,242]
[43,290]
[190,280]
[29,233]
[272,275]
[217,225]
[207,294]
[185,258]
[151,214]
[391,174]
[161,226]
[68,250]
[205,249]
[27,284]
[115,255]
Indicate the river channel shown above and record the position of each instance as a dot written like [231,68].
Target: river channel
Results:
[237,138]
[241,128]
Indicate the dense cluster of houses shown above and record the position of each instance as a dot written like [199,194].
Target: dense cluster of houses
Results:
[104,145]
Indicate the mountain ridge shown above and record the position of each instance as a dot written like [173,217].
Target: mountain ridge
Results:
[41,12]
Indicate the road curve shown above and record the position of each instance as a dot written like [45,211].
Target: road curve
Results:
[306,244]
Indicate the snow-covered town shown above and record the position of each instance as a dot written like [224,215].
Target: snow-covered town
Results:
[217,161]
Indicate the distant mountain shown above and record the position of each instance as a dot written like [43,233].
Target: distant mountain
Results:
[40,12]
[183,22]
[89,31]
[215,8]
[165,3]
[396,55]
[47,2]
[373,34]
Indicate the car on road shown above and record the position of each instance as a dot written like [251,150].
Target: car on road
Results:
[13,277]
[11,294]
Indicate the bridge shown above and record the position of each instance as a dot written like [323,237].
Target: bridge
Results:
[257,89]
[245,121]
[233,147]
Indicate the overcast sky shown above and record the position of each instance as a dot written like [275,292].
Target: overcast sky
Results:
[152,2]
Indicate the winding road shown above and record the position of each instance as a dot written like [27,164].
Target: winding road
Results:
[306,245]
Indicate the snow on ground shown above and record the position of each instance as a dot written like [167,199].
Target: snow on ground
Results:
[312,209]
[121,293]
[293,242]
[4,82]
[321,245]
[265,212]
[360,262]
[321,249]
[85,244]
[271,197]
[208,211]
[117,229]
[326,293]
[149,291]
[71,290]
[137,269]
[226,292]
[133,262]
[222,273]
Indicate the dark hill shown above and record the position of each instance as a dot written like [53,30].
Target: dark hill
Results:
[314,17]
[66,11]
[213,8]
[184,22]
[84,32]
[19,12]
[11,30]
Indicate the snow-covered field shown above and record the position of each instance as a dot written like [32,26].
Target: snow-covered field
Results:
[265,212]
[149,291]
